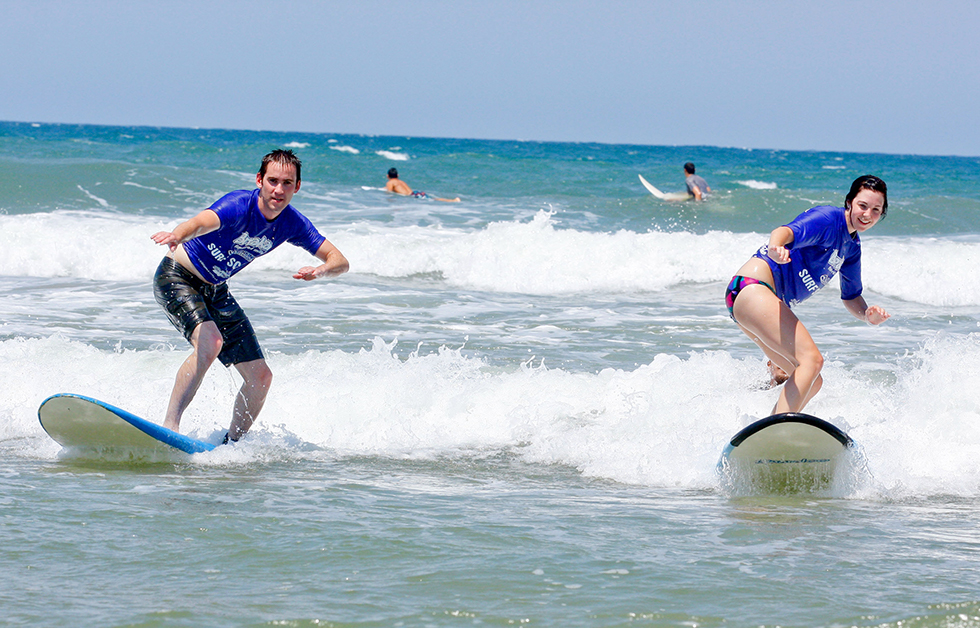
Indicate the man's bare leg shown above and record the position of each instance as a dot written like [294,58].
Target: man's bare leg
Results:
[251,396]
[206,340]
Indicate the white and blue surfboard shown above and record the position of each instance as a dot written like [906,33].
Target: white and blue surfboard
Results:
[76,421]
[785,452]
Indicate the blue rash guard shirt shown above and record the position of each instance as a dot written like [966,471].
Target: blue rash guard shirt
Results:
[245,234]
[821,247]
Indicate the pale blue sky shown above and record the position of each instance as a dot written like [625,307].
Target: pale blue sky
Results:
[896,76]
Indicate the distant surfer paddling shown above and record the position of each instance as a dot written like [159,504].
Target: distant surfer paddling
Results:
[398,186]
[697,187]
[205,252]
[800,258]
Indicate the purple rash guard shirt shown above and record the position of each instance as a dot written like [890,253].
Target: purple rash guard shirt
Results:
[821,247]
[245,234]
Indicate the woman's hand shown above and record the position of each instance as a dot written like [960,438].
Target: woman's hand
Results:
[778,239]
[876,315]
[778,254]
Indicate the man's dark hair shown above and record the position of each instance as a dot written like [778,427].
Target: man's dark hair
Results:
[283,158]
[689,167]
[392,173]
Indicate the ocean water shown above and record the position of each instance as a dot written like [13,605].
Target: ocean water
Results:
[509,411]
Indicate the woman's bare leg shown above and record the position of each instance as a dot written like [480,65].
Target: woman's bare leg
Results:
[783,338]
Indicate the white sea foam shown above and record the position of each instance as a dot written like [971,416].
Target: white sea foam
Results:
[101,201]
[65,243]
[917,269]
[530,257]
[296,145]
[387,154]
[758,185]
[663,423]
[536,258]
[150,188]
[346,149]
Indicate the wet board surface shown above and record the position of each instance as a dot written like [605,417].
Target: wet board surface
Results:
[82,422]
[790,451]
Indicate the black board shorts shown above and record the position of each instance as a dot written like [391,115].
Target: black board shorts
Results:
[189,301]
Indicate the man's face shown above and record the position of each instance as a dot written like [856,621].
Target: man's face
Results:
[276,188]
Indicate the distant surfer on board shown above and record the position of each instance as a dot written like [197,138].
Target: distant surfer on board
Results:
[799,259]
[696,185]
[398,186]
[205,252]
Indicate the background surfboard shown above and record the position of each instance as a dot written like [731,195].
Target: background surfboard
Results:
[76,421]
[790,452]
[666,196]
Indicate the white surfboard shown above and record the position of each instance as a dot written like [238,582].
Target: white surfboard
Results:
[665,196]
[75,421]
[788,452]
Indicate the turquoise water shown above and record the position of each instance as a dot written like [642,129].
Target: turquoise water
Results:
[510,410]
[370,541]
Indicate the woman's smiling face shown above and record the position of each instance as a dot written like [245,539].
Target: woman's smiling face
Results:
[865,211]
